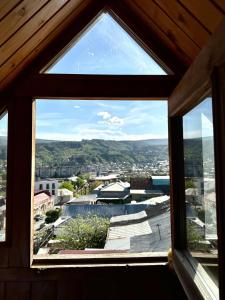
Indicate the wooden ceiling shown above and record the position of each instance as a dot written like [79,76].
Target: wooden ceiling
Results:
[175,30]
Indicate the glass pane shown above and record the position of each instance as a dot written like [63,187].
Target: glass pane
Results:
[200,186]
[106,48]
[102,177]
[3,173]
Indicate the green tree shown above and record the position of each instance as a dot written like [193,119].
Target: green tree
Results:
[94,184]
[67,185]
[52,215]
[84,232]
[79,182]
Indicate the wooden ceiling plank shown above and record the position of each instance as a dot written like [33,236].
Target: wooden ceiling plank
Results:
[29,29]
[169,28]
[40,40]
[6,6]
[197,78]
[18,16]
[164,39]
[205,11]
[148,38]
[185,21]
[220,4]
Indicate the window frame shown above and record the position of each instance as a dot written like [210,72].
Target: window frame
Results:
[195,280]
[93,260]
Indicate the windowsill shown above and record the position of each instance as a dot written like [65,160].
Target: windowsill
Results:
[99,260]
[195,280]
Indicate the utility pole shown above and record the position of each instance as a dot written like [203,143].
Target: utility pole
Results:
[158,225]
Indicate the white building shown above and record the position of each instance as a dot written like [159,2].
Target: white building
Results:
[47,184]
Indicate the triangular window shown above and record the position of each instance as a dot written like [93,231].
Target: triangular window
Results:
[106,48]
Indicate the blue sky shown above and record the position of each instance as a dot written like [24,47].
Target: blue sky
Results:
[106,48]
[74,120]
[4,125]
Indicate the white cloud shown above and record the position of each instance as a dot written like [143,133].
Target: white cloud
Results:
[104,114]
[115,121]
[76,106]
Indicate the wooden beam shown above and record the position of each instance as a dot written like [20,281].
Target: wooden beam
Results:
[197,79]
[21,112]
[97,86]
[177,185]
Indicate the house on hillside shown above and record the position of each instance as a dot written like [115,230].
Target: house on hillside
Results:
[43,202]
[117,192]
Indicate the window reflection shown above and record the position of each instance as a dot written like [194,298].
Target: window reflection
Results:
[200,194]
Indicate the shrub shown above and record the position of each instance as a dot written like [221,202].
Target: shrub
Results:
[52,215]
[84,232]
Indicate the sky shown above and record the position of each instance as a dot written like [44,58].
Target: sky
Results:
[4,125]
[106,48]
[74,120]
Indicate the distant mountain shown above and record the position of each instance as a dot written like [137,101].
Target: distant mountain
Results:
[85,152]
[97,151]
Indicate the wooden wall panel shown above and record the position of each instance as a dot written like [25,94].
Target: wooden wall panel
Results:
[6,6]
[38,41]
[18,291]
[2,290]
[185,21]
[220,4]
[18,16]
[72,289]
[42,290]
[196,80]
[205,12]
[166,40]
[169,28]
[29,29]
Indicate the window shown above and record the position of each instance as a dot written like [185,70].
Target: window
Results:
[106,48]
[3,173]
[200,193]
[111,161]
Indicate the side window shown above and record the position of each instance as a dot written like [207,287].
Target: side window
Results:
[3,173]
[200,193]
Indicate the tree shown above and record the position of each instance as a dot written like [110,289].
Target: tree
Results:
[84,232]
[52,215]
[94,184]
[79,182]
[67,185]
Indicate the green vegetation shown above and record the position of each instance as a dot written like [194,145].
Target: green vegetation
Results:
[67,185]
[195,240]
[94,151]
[84,232]
[52,215]
[189,184]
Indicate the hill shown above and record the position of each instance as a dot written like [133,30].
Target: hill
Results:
[96,151]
